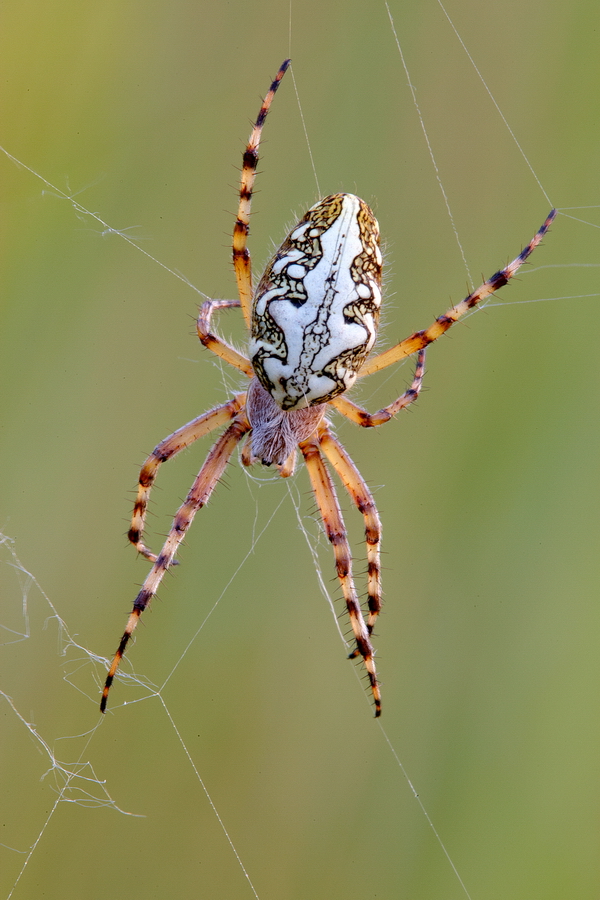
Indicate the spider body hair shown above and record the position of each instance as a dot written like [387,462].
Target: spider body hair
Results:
[276,432]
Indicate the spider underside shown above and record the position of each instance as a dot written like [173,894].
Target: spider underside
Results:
[313,321]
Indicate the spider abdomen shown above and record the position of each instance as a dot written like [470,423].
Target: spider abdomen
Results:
[316,309]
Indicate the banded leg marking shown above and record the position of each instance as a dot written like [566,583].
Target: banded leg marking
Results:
[362,498]
[216,344]
[421,339]
[327,502]
[203,486]
[241,255]
[168,448]
[360,416]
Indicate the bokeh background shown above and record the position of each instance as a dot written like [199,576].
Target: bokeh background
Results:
[488,488]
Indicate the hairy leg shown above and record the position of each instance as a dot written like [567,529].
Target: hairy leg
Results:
[327,502]
[362,498]
[168,448]
[421,339]
[216,344]
[360,416]
[241,255]
[203,486]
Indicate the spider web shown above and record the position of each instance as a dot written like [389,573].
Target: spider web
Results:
[37,638]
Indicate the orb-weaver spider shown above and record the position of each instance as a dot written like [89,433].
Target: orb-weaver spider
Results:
[313,320]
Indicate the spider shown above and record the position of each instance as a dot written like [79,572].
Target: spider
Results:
[313,321]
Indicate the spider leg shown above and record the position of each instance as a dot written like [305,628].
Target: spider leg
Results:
[241,255]
[327,502]
[443,323]
[215,343]
[168,448]
[360,416]
[202,488]
[362,498]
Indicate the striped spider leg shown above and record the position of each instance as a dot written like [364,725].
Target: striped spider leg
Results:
[359,493]
[313,320]
[324,444]
[221,452]
[202,488]
[441,325]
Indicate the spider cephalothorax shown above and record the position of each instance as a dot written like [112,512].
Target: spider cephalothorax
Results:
[313,321]
[276,433]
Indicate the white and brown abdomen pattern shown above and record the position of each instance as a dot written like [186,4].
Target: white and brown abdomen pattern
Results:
[316,310]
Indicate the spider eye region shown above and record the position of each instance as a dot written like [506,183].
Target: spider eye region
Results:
[316,309]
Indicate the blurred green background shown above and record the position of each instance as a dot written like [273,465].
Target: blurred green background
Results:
[488,489]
